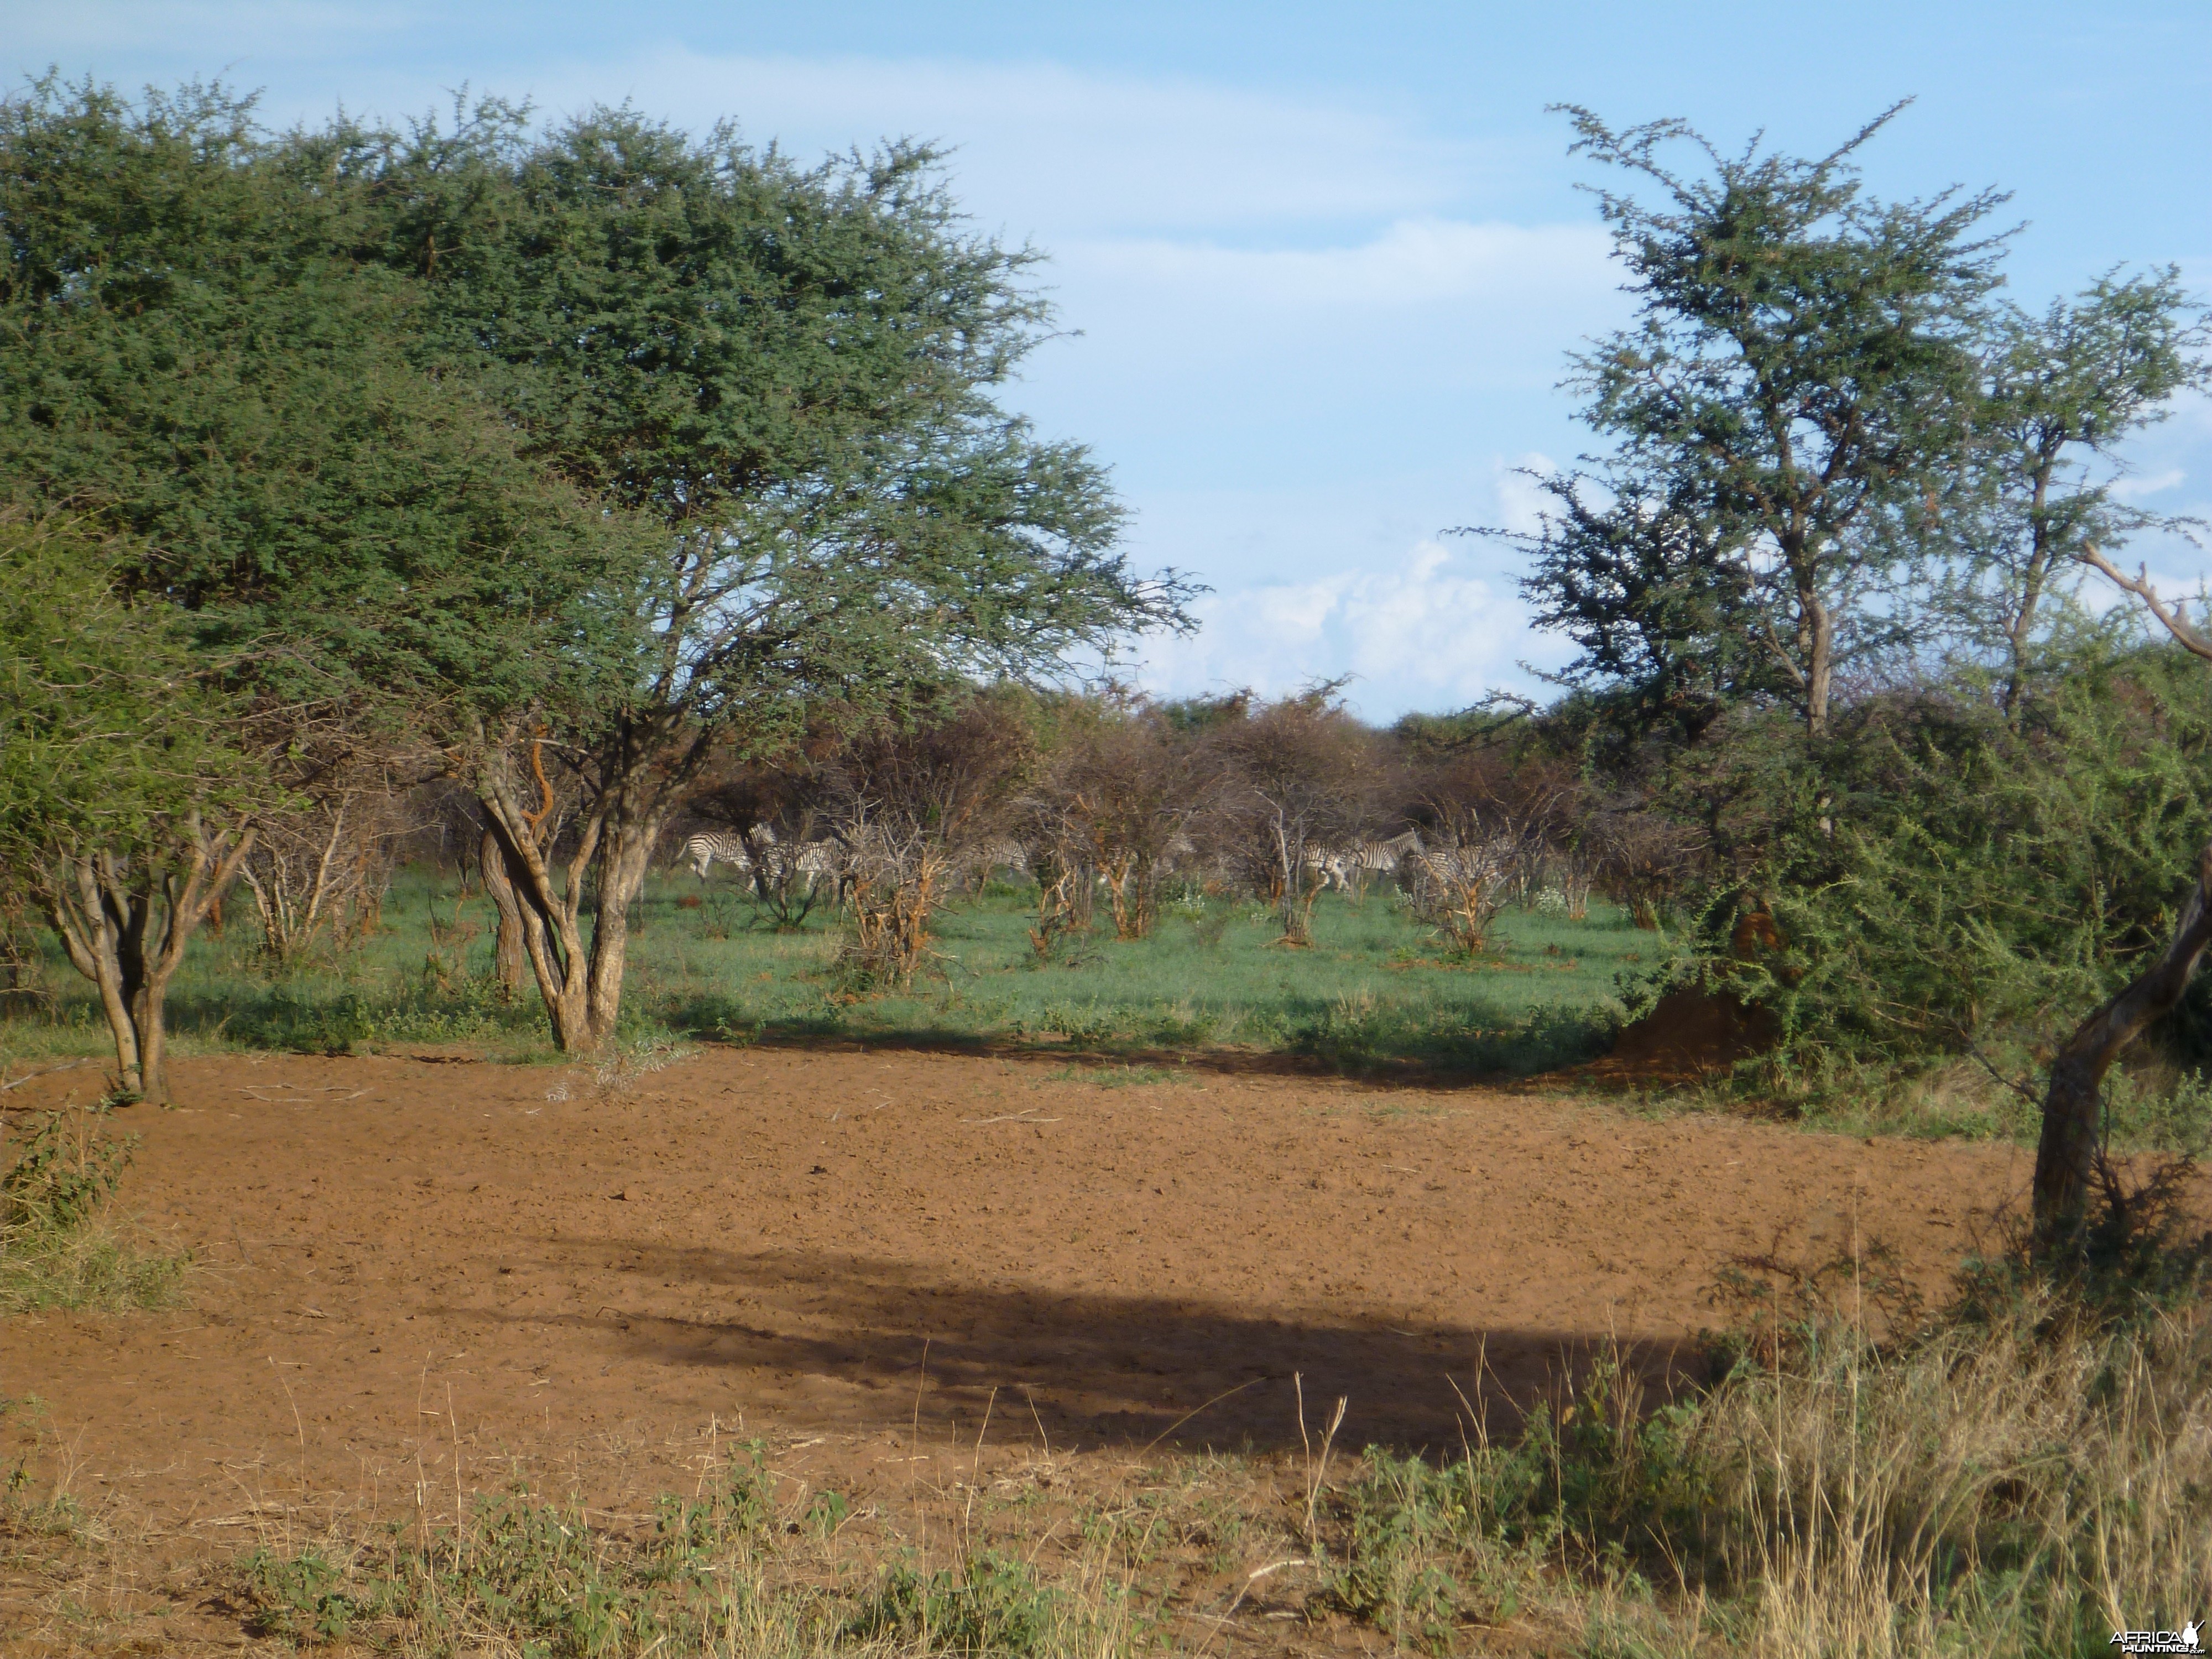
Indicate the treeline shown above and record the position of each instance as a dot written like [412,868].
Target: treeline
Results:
[1105,799]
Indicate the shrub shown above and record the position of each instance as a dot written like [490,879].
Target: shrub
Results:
[58,1247]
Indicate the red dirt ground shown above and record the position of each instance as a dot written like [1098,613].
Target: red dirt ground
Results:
[772,1241]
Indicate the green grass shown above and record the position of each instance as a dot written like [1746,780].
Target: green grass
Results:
[1371,994]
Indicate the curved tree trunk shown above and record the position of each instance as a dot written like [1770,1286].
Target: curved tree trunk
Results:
[581,983]
[2069,1160]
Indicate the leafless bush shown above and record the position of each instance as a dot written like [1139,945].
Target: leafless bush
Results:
[1642,859]
[912,807]
[321,875]
[1116,800]
[1460,884]
[1294,777]
[1524,812]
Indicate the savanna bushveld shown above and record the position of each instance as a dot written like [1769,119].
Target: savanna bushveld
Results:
[622,1034]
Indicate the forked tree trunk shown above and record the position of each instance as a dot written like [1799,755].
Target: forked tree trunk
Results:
[581,985]
[2069,1160]
[126,930]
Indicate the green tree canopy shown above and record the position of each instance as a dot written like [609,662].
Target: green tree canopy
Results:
[1801,374]
[793,374]
[185,356]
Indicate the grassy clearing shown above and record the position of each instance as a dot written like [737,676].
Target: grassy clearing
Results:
[61,1243]
[1371,992]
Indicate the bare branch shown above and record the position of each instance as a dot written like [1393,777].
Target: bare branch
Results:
[2139,584]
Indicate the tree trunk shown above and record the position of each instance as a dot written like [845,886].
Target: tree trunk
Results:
[551,942]
[507,943]
[2069,1158]
[582,986]
[127,933]
[625,860]
[1821,666]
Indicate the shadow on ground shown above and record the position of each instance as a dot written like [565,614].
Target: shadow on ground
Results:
[1136,1370]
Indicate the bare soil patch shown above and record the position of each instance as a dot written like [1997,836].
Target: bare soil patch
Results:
[421,1277]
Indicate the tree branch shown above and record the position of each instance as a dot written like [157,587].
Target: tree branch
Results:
[2139,584]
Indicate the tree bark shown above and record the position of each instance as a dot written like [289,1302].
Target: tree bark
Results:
[2069,1160]
[508,952]
[1821,663]
[625,858]
[551,940]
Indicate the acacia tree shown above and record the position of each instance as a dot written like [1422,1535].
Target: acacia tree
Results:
[2061,392]
[354,550]
[120,795]
[790,372]
[1802,370]
[2071,1165]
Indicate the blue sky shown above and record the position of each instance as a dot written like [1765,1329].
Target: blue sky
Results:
[1319,266]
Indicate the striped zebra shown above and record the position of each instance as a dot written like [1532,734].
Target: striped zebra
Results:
[1346,868]
[1448,868]
[712,846]
[990,857]
[822,860]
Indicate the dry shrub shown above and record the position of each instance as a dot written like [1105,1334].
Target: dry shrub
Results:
[914,806]
[320,876]
[61,1244]
[1294,778]
[898,883]
[1459,890]
[1116,800]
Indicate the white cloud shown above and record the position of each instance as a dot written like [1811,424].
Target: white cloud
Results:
[1521,503]
[1413,262]
[1427,632]
[2132,488]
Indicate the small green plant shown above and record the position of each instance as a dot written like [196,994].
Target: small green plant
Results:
[992,1604]
[1090,1027]
[59,1182]
[300,1597]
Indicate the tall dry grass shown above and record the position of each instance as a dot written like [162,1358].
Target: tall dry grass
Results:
[2026,1485]
[2022,1482]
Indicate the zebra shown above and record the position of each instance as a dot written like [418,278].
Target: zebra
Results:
[1448,868]
[1347,867]
[985,860]
[712,846]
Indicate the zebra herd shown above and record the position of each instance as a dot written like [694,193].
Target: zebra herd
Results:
[815,859]
[1345,867]
[828,859]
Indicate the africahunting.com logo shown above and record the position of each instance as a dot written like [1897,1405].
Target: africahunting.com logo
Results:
[2184,1640]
